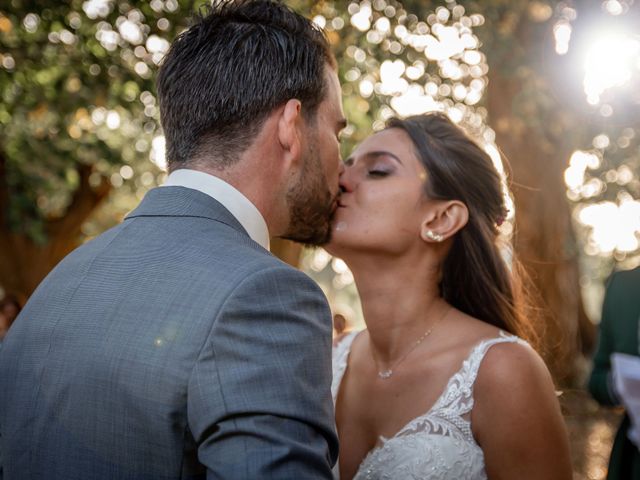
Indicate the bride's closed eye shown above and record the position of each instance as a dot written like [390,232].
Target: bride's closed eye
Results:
[379,168]
[378,173]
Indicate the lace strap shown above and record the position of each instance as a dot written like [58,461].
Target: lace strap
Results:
[340,358]
[458,396]
[480,350]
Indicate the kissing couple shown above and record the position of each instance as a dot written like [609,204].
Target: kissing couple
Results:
[175,346]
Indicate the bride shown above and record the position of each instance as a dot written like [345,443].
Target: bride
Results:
[438,386]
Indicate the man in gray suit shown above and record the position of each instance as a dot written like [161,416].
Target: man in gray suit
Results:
[175,345]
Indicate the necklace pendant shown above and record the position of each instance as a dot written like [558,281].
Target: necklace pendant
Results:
[385,374]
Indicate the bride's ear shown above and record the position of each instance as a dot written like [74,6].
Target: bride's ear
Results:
[288,132]
[444,220]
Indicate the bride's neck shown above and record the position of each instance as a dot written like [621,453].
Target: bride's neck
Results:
[399,303]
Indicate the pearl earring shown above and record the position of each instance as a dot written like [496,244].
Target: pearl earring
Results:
[431,235]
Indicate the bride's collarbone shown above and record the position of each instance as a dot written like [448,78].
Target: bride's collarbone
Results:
[381,407]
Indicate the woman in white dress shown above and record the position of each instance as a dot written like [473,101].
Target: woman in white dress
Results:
[438,386]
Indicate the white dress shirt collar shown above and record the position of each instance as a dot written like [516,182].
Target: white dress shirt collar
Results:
[231,198]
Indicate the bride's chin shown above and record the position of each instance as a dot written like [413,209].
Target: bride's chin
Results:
[340,243]
[338,248]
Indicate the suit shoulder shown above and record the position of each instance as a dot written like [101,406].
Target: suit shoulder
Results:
[278,275]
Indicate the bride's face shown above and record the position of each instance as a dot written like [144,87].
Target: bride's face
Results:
[382,204]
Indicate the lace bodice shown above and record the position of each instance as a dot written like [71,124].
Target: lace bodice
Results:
[437,445]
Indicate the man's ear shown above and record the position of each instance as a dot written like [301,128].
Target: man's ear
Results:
[444,220]
[289,130]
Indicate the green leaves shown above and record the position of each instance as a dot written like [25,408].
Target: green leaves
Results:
[73,77]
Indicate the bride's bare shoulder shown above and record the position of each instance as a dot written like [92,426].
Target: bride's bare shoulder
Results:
[514,386]
[514,366]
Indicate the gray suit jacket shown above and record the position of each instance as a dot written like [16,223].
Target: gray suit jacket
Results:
[170,347]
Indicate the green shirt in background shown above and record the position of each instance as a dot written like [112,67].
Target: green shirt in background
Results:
[619,332]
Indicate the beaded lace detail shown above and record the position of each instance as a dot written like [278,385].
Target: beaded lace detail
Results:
[437,445]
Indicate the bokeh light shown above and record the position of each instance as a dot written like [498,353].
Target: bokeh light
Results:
[615,225]
[612,60]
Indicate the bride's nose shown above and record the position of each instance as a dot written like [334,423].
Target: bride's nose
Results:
[347,179]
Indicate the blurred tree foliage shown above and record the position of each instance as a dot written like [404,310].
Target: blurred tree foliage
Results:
[78,120]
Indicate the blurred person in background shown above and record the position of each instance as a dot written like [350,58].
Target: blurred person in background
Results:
[619,333]
[9,310]
[339,327]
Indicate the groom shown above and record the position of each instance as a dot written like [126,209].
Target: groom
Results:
[175,345]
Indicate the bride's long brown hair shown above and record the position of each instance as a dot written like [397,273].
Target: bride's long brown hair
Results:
[476,279]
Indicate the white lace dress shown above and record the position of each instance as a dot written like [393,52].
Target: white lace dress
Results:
[437,445]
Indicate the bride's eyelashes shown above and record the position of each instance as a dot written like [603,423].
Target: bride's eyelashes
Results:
[379,169]
[378,173]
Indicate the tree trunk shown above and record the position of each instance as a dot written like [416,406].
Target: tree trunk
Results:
[544,238]
[23,262]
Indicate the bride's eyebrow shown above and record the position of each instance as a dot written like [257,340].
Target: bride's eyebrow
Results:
[383,153]
[373,155]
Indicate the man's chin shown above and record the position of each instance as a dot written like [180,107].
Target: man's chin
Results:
[312,227]
[313,239]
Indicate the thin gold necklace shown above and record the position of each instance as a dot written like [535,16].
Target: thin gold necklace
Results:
[388,373]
